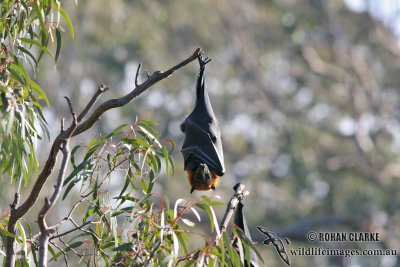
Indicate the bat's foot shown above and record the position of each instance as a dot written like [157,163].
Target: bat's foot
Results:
[203,61]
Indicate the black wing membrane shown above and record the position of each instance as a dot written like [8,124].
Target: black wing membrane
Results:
[202,142]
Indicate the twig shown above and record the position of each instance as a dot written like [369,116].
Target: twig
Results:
[137,74]
[102,88]
[69,105]
[79,227]
[15,203]
[63,252]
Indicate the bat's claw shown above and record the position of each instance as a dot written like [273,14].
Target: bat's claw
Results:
[191,190]
[203,61]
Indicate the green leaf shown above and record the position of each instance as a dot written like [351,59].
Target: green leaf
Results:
[66,249]
[42,95]
[206,199]
[40,17]
[73,151]
[144,186]
[33,42]
[211,214]
[251,245]
[230,251]
[52,252]
[127,182]
[21,231]
[69,187]
[76,170]
[181,237]
[148,122]
[28,53]
[16,75]
[124,247]
[67,20]
[6,233]
[58,48]
[116,131]
[166,158]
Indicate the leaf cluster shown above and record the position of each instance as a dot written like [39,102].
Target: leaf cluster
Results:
[27,30]
[131,225]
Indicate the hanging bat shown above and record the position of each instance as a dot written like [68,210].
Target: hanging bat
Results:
[202,147]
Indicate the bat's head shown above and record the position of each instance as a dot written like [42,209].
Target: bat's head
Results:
[202,178]
[202,174]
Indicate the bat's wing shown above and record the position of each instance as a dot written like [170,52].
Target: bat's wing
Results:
[202,134]
[240,221]
[202,146]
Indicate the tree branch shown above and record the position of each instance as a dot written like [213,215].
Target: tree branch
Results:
[45,230]
[48,204]
[140,88]
[80,127]
[230,209]
[102,88]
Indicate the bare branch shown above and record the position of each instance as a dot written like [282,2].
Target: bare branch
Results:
[69,105]
[119,102]
[15,203]
[102,88]
[62,124]
[49,203]
[230,209]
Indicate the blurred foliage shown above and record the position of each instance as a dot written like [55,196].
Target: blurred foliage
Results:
[27,29]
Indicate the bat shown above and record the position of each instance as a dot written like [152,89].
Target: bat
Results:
[202,146]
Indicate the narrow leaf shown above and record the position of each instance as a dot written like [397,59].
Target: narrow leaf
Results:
[188,222]
[177,202]
[58,48]
[40,17]
[67,20]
